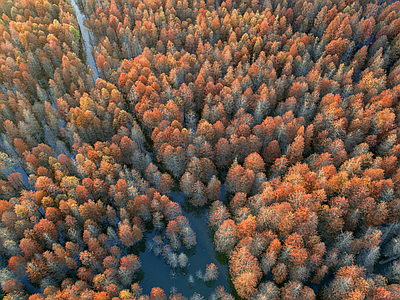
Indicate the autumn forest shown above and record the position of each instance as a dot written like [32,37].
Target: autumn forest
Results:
[200,149]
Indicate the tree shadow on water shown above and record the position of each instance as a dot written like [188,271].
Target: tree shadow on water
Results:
[190,252]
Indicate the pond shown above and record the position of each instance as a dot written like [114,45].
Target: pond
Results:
[159,274]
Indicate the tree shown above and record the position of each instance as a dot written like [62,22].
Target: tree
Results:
[166,183]
[217,214]
[157,294]
[206,130]
[245,271]
[29,247]
[268,260]
[136,233]
[45,230]
[129,265]
[206,151]
[46,184]
[12,286]
[381,292]
[172,210]
[20,146]
[188,237]
[239,179]
[207,170]
[246,228]
[198,197]
[211,272]
[194,167]
[280,166]
[237,202]
[254,162]
[172,233]
[110,262]
[347,280]
[213,189]
[142,206]
[89,261]
[15,180]
[279,272]
[17,264]
[223,153]
[174,160]
[267,290]
[295,290]
[245,284]
[183,260]
[186,183]
[125,234]
[294,153]
[36,269]
[225,237]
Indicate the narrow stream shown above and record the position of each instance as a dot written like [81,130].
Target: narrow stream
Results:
[86,40]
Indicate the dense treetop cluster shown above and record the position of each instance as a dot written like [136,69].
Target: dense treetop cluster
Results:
[277,118]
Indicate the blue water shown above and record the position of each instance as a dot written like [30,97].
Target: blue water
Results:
[158,273]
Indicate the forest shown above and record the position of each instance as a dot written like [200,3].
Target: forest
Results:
[199,149]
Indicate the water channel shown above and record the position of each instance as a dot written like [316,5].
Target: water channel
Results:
[156,272]
[85,37]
